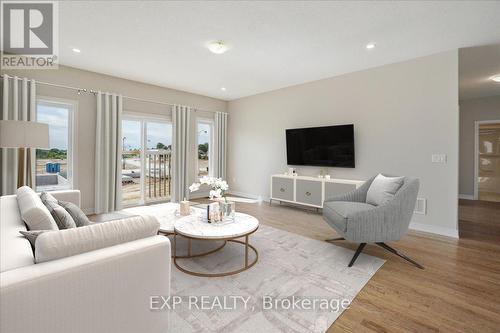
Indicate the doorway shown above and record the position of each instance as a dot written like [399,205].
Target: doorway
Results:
[487,161]
[479,148]
[146,160]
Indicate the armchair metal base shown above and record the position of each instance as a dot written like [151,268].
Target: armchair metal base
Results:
[382,245]
[399,254]
[334,239]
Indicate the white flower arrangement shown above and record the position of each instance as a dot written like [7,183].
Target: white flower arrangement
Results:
[218,187]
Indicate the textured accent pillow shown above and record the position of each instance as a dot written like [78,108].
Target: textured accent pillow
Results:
[70,242]
[76,213]
[33,211]
[32,235]
[61,216]
[383,189]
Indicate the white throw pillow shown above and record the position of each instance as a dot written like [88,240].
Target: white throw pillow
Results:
[70,242]
[383,189]
[33,211]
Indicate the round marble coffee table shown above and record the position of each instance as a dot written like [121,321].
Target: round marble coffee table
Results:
[193,228]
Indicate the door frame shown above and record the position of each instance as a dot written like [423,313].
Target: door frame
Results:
[477,123]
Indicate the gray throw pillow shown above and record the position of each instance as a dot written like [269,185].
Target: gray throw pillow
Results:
[76,213]
[33,211]
[32,235]
[383,189]
[61,216]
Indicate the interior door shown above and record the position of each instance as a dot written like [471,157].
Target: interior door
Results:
[488,159]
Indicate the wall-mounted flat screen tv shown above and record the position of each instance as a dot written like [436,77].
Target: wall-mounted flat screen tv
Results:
[321,146]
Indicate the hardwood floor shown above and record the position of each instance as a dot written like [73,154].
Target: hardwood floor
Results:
[479,220]
[459,290]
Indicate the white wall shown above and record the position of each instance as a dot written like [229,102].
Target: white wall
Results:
[87,110]
[487,108]
[402,114]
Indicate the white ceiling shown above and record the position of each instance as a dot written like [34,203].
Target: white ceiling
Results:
[476,66]
[274,44]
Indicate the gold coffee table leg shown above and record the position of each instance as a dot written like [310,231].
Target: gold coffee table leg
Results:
[244,268]
[191,255]
[246,251]
[175,247]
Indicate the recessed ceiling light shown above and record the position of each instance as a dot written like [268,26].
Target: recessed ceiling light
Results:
[223,88]
[495,78]
[76,50]
[217,47]
[370,46]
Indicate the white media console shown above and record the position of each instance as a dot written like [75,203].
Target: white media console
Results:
[309,191]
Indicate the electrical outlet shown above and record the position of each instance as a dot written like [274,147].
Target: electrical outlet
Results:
[421,206]
[438,158]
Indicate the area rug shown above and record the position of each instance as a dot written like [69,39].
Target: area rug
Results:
[291,268]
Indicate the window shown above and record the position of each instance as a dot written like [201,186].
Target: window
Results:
[54,166]
[146,160]
[204,141]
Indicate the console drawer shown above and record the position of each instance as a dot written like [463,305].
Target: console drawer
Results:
[309,192]
[282,188]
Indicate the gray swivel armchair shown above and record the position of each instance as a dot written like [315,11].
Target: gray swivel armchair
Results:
[357,221]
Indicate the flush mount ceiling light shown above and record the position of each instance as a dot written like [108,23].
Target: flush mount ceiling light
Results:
[223,88]
[76,50]
[495,78]
[217,47]
[370,46]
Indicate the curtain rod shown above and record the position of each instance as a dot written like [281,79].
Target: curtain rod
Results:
[91,91]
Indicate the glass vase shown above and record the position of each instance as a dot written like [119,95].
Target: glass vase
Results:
[228,209]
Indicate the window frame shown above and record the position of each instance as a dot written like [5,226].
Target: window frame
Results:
[72,155]
[211,123]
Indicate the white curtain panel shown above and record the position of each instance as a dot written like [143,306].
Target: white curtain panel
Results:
[108,153]
[220,145]
[19,103]
[181,117]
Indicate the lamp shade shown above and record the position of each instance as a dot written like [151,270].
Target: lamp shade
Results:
[23,134]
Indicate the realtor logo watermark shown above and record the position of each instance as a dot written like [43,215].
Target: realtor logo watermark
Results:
[30,34]
[247,303]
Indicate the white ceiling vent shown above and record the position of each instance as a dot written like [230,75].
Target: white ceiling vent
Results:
[421,206]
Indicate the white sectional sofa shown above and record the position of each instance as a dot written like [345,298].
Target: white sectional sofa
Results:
[106,290]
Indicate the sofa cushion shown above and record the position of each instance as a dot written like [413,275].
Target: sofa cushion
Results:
[336,213]
[383,189]
[70,242]
[33,211]
[15,250]
[61,216]
[76,213]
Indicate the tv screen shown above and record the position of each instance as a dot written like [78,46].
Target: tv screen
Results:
[321,146]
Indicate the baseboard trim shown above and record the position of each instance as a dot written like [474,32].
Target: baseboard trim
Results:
[466,196]
[248,195]
[448,232]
